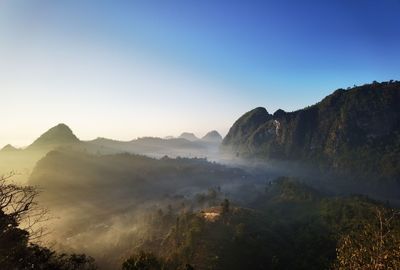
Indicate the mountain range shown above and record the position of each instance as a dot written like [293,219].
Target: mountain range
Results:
[61,136]
[355,130]
[116,198]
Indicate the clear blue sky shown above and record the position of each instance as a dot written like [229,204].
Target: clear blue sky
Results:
[123,69]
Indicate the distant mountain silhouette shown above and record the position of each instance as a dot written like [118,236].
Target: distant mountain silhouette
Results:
[9,148]
[62,136]
[357,129]
[58,135]
[188,136]
[152,146]
[23,160]
[212,136]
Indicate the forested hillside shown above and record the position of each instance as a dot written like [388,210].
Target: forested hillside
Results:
[354,131]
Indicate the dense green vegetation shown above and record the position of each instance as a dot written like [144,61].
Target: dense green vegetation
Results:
[354,131]
[133,178]
[286,225]
[290,226]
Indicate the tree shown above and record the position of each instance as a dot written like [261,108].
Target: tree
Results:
[142,261]
[225,207]
[19,219]
[18,206]
[376,246]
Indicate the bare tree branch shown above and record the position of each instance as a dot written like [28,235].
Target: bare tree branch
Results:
[19,202]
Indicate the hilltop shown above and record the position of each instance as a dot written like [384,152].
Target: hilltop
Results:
[56,136]
[212,136]
[355,130]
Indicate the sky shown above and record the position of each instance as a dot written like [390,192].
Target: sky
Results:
[123,69]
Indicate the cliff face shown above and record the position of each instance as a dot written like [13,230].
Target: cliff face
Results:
[350,129]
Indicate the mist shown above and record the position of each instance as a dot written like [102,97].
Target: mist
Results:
[111,199]
[107,206]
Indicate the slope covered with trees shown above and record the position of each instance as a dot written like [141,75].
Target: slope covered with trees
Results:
[145,213]
[289,226]
[355,130]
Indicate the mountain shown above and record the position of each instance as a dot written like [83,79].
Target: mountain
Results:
[8,148]
[152,146]
[188,136]
[24,160]
[355,130]
[212,136]
[56,136]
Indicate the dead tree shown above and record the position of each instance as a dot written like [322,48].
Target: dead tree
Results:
[19,204]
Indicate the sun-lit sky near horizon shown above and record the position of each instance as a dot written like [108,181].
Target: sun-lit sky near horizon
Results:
[124,69]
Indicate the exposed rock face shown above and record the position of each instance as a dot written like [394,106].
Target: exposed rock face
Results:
[58,135]
[212,136]
[351,129]
[241,131]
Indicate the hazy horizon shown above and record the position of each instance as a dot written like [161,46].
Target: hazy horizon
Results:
[31,140]
[132,69]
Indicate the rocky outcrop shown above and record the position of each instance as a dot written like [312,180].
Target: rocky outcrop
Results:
[358,128]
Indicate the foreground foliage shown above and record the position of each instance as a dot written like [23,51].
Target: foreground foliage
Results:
[18,206]
[375,246]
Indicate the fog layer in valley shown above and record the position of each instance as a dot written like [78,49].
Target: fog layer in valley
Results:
[102,196]
[111,199]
